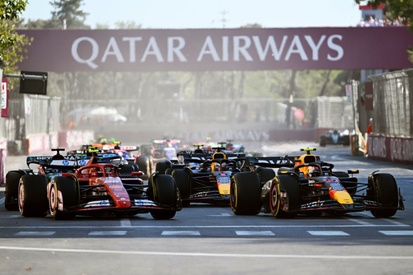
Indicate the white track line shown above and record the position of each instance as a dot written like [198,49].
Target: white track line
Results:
[107,233]
[181,233]
[203,226]
[219,255]
[328,233]
[254,233]
[396,232]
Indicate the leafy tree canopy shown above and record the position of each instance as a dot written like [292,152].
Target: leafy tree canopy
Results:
[11,9]
[11,43]
[67,14]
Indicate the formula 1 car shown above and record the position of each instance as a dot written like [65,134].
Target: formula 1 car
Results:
[202,177]
[63,189]
[234,147]
[160,145]
[311,187]
[133,155]
[335,137]
[46,165]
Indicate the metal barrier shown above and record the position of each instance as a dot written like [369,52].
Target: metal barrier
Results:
[393,103]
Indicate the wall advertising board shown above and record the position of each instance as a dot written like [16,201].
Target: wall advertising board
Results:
[218,49]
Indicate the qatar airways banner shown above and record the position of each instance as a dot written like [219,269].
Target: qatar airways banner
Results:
[396,149]
[218,49]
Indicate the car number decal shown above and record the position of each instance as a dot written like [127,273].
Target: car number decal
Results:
[223,179]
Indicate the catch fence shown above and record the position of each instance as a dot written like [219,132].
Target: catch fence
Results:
[392,103]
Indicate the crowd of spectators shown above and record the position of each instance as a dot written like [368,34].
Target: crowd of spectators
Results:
[378,22]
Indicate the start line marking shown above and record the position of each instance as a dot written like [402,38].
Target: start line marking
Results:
[125,225]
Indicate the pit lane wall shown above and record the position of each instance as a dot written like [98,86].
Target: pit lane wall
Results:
[395,149]
[42,143]
[37,143]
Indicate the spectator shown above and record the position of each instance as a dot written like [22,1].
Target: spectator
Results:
[370,127]
[369,130]
[170,151]
[378,22]
[371,22]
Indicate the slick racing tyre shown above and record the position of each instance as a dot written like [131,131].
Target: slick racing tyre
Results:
[63,194]
[291,186]
[183,181]
[33,196]
[274,198]
[265,174]
[383,189]
[127,169]
[144,165]
[165,194]
[245,193]
[11,190]
[162,166]
[146,150]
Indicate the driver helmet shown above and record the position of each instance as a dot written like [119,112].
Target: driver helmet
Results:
[106,148]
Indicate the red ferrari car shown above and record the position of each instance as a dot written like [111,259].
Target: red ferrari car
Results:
[100,187]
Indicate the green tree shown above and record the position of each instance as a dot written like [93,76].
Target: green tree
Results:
[67,15]
[10,10]
[11,43]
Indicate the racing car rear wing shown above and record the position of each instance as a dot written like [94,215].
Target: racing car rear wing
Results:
[49,162]
[272,162]
[189,156]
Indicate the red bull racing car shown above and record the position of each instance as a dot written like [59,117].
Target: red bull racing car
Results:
[306,185]
[203,177]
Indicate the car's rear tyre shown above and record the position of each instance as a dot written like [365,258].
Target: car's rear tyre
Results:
[127,169]
[146,149]
[63,194]
[274,198]
[11,190]
[183,182]
[265,174]
[291,186]
[162,166]
[166,194]
[245,194]
[33,196]
[383,189]
[144,165]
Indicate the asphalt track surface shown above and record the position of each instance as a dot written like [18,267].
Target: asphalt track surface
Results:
[208,239]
